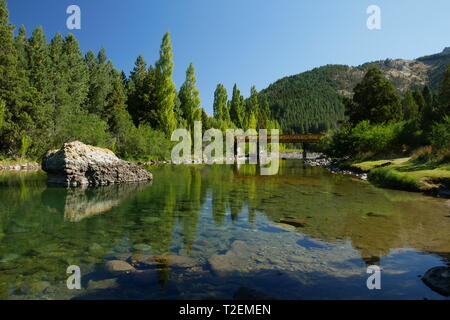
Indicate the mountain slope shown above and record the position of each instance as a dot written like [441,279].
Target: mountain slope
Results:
[311,101]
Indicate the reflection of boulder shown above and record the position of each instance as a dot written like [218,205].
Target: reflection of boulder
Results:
[77,164]
[78,204]
[438,280]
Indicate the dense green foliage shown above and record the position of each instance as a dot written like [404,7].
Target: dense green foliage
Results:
[50,94]
[311,101]
[374,99]
[381,123]
[306,103]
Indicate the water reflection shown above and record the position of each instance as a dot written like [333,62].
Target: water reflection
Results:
[80,203]
[200,212]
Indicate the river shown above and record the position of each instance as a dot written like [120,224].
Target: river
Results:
[214,232]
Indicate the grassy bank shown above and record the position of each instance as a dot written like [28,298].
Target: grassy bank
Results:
[404,173]
[7,162]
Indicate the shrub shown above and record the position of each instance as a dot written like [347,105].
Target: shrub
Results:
[145,143]
[440,135]
[365,138]
[388,178]
[423,154]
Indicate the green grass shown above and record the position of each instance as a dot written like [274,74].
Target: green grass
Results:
[366,166]
[392,179]
[12,162]
[405,174]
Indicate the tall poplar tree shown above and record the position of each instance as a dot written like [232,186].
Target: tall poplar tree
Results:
[165,90]
[189,98]
[237,108]
[220,106]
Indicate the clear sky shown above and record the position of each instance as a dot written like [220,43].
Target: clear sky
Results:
[250,42]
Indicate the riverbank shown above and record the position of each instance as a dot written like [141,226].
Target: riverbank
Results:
[18,165]
[399,173]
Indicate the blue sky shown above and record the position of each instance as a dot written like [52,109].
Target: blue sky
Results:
[250,42]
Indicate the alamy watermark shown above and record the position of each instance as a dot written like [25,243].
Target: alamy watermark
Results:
[74,280]
[230,152]
[374,281]
[374,20]
[74,20]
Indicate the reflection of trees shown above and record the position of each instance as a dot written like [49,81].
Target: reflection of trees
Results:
[39,233]
[335,207]
[38,240]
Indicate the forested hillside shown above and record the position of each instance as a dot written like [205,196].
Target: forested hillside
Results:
[311,102]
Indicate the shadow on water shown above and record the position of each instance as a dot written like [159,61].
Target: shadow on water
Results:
[199,212]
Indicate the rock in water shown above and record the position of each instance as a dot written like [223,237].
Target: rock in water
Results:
[438,279]
[118,267]
[77,164]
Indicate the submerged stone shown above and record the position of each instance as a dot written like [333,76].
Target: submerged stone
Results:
[148,261]
[298,223]
[118,267]
[438,279]
[236,259]
[77,164]
[103,284]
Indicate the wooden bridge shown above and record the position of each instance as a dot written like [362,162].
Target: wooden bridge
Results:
[283,138]
[304,139]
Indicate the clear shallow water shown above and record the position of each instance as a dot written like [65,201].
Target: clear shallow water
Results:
[224,222]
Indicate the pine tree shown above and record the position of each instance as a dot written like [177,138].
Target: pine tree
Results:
[2,115]
[444,95]
[410,107]
[264,114]
[429,113]
[165,90]
[100,81]
[375,99]
[135,88]
[419,99]
[8,56]
[13,88]
[189,98]
[21,44]
[76,73]
[115,112]
[39,62]
[60,94]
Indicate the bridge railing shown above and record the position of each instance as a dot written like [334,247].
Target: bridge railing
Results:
[283,138]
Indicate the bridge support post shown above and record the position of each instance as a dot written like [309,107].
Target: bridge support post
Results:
[304,151]
[235,150]
[258,152]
